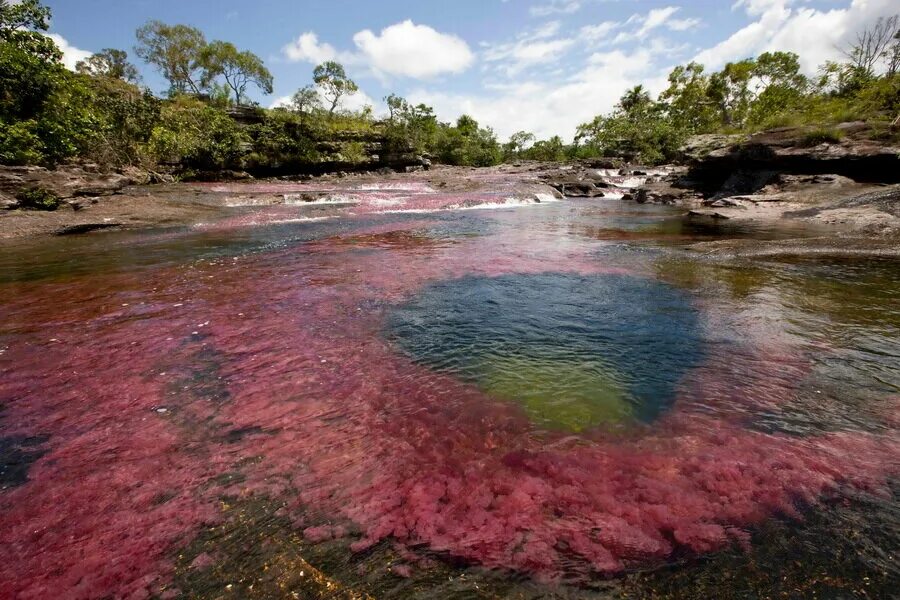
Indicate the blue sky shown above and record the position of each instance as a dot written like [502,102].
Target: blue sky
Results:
[538,65]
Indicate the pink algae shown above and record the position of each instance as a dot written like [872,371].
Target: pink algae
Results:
[285,349]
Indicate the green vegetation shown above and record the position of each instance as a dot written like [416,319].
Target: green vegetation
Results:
[744,97]
[752,95]
[822,136]
[38,199]
[206,121]
[99,113]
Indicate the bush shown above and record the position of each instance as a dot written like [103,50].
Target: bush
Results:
[126,117]
[822,136]
[20,143]
[197,136]
[38,199]
[283,138]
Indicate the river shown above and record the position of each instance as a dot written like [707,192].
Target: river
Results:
[551,400]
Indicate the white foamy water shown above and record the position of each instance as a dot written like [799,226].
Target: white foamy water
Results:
[419,188]
[299,200]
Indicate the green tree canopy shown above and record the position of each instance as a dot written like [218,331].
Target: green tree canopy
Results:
[332,79]
[177,53]
[22,24]
[111,63]
[238,69]
[306,100]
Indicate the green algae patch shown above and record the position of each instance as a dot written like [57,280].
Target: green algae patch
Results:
[556,394]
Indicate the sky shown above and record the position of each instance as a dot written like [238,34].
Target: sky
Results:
[543,66]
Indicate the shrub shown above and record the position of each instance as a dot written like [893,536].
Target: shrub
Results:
[822,136]
[38,199]
[20,143]
[197,136]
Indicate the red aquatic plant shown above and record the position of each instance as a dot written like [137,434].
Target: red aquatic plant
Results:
[153,385]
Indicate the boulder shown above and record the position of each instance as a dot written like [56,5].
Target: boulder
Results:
[8,202]
[69,181]
[578,188]
[856,154]
[664,192]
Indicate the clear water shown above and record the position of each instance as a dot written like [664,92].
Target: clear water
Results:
[547,401]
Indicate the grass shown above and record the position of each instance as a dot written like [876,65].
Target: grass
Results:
[822,136]
[38,199]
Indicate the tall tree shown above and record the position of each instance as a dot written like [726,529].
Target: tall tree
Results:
[177,53]
[687,99]
[111,63]
[871,44]
[730,90]
[893,56]
[22,25]
[395,105]
[30,68]
[518,143]
[333,81]
[778,85]
[635,99]
[305,100]
[238,69]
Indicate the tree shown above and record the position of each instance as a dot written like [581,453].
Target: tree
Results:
[638,129]
[177,53]
[395,105]
[547,150]
[305,100]
[468,144]
[687,99]
[517,144]
[893,56]
[22,25]
[239,69]
[111,63]
[334,83]
[634,100]
[780,86]
[730,90]
[30,68]
[410,128]
[871,45]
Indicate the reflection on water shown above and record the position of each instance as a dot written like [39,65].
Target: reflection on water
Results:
[552,401]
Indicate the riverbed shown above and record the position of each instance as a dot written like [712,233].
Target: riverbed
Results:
[407,392]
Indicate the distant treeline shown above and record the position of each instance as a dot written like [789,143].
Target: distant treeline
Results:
[102,113]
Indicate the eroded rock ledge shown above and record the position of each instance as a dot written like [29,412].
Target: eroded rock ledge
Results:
[851,182]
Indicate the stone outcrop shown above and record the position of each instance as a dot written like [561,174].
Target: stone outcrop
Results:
[745,164]
[666,192]
[840,176]
[72,183]
[604,178]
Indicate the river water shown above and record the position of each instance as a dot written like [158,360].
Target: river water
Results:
[553,400]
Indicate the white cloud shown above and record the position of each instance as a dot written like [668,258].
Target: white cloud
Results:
[71,54]
[306,48]
[404,49]
[656,18]
[530,49]
[411,50]
[555,7]
[548,29]
[683,24]
[636,27]
[598,34]
[548,108]
[815,35]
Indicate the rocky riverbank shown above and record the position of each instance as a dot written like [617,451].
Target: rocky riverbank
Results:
[848,184]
